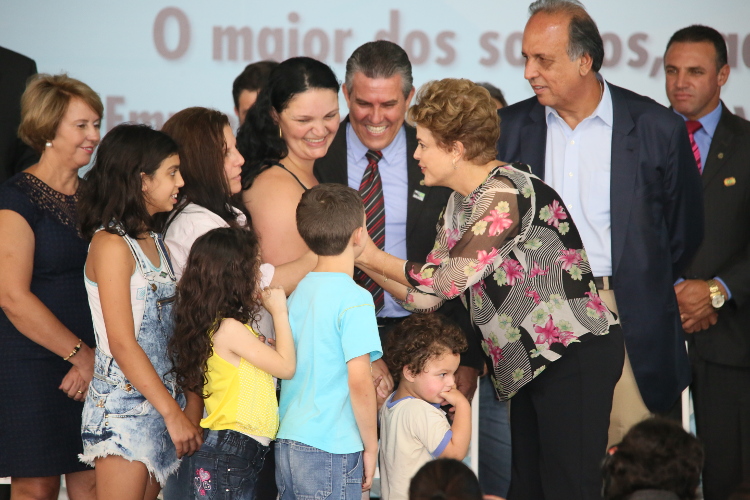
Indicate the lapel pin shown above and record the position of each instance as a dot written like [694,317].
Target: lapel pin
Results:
[720,155]
[421,183]
[730,181]
[420,195]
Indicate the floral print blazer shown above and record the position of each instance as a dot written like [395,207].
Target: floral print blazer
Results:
[512,252]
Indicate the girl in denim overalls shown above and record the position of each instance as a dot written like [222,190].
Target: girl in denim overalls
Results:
[216,330]
[134,429]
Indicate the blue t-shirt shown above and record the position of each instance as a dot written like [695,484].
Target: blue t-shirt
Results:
[333,321]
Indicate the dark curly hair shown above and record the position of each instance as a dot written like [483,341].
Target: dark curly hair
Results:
[445,479]
[655,454]
[258,139]
[113,190]
[421,337]
[220,281]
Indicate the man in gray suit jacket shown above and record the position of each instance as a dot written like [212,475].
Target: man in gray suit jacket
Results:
[714,295]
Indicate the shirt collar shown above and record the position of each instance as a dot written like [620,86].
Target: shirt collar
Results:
[604,110]
[709,121]
[390,152]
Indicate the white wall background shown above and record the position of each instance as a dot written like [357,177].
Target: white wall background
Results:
[148,59]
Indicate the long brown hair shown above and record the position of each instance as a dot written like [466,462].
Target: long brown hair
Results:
[113,191]
[220,281]
[199,132]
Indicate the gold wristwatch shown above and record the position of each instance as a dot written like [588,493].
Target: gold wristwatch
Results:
[717,298]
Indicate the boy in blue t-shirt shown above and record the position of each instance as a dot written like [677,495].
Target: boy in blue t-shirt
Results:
[327,442]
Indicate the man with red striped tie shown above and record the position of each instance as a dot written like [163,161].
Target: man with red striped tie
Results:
[713,297]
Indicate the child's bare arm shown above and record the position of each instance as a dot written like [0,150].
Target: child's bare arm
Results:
[362,394]
[280,361]
[458,446]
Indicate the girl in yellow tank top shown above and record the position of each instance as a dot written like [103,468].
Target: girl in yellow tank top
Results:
[220,355]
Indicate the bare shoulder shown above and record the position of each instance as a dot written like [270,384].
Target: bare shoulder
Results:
[111,252]
[274,181]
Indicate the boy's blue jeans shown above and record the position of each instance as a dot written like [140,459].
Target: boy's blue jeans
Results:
[307,473]
[226,466]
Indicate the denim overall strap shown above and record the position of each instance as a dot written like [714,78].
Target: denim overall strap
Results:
[156,324]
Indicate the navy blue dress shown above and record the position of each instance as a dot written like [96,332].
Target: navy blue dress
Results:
[40,430]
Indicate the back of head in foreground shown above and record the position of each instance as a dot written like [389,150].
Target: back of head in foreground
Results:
[327,215]
[445,479]
[656,454]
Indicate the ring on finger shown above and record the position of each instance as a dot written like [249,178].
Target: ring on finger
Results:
[79,392]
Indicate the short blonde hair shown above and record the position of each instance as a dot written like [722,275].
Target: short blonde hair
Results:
[45,102]
[459,110]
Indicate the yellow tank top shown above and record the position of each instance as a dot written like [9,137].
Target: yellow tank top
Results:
[243,398]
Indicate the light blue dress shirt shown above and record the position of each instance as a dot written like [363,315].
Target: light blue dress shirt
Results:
[578,166]
[395,180]
[703,137]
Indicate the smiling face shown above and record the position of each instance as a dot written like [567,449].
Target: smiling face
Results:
[309,123]
[437,376]
[554,78]
[233,162]
[435,162]
[693,81]
[377,108]
[76,137]
[160,189]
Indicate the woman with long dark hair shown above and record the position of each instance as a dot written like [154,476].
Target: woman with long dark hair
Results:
[292,124]
[134,430]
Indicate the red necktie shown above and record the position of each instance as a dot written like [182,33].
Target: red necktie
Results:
[371,190]
[693,126]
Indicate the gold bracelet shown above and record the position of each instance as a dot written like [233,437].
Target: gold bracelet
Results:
[75,350]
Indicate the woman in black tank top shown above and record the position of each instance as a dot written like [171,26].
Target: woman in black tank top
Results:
[291,125]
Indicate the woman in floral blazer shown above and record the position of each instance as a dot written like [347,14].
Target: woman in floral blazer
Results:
[507,245]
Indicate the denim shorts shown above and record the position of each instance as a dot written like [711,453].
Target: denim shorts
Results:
[118,420]
[307,473]
[227,465]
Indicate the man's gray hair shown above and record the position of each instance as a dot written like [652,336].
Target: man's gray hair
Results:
[380,59]
[583,34]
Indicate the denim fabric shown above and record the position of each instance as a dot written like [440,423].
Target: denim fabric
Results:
[494,441]
[117,418]
[307,473]
[227,466]
[179,485]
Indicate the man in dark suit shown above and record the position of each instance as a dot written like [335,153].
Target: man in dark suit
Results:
[623,165]
[713,297]
[378,89]
[15,70]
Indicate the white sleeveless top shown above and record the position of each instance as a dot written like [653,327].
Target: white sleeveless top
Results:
[138,286]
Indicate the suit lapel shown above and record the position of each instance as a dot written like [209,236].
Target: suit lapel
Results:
[534,140]
[721,148]
[624,168]
[413,205]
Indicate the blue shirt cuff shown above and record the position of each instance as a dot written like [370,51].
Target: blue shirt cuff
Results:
[729,292]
